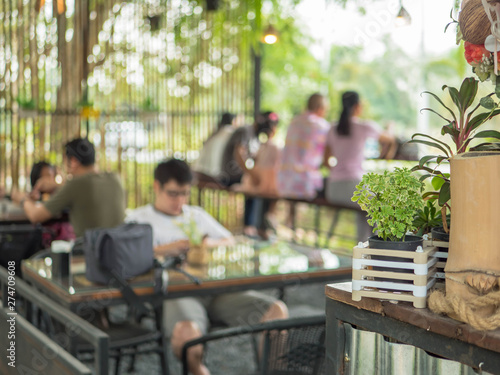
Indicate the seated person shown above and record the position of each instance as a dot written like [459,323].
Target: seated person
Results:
[210,160]
[43,171]
[42,180]
[93,199]
[262,178]
[188,318]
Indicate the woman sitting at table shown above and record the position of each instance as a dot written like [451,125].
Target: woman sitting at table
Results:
[43,184]
[262,178]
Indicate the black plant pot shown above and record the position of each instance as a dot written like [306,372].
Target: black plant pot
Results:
[411,243]
[439,234]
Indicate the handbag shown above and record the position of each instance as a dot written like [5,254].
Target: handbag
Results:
[125,251]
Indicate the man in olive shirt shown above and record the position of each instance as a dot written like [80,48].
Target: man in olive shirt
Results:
[94,200]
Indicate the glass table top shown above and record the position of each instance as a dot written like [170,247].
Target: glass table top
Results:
[244,260]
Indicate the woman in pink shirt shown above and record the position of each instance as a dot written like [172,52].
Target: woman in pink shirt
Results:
[346,142]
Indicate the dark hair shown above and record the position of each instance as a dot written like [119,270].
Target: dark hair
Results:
[315,102]
[173,169]
[266,122]
[82,150]
[350,99]
[37,169]
[226,119]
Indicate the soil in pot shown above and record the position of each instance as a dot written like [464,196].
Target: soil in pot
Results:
[411,243]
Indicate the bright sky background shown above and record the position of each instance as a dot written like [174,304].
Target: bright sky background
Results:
[330,24]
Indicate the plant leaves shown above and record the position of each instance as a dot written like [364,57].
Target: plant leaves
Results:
[455,96]
[437,182]
[497,88]
[433,111]
[441,102]
[486,147]
[436,143]
[426,159]
[487,102]
[468,91]
[444,194]
[450,129]
[430,195]
[488,134]
[480,119]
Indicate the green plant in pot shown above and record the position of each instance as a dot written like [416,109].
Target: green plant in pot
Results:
[461,124]
[427,218]
[391,200]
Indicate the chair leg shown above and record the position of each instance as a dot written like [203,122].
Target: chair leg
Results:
[117,362]
[131,367]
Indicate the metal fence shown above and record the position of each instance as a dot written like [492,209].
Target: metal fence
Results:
[143,79]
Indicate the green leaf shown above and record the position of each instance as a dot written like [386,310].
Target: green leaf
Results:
[497,88]
[487,102]
[486,147]
[444,194]
[480,119]
[488,134]
[450,129]
[428,194]
[455,96]
[437,182]
[468,91]
[437,113]
[441,102]
[432,144]
[427,158]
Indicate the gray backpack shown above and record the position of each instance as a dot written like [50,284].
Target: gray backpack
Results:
[125,251]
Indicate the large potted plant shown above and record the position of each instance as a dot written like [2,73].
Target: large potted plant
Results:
[391,200]
[461,124]
[473,264]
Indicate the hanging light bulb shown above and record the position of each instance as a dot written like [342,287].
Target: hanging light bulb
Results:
[403,18]
[270,35]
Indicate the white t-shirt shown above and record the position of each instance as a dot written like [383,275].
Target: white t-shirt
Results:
[167,229]
[210,160]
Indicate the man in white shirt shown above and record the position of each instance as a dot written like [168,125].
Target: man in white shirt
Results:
[188,318]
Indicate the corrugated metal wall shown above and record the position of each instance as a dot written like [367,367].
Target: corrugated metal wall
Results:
[370,353]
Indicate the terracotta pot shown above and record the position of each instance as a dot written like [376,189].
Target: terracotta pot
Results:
[473,266]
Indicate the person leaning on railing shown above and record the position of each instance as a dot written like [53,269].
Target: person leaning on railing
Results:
[346,142]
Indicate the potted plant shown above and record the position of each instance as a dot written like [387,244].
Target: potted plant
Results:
[197,255]
[391,200]
[427,219]
[461,125]
[473,264]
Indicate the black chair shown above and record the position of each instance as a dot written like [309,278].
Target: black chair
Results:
[129,338]
[18,242]
[126,336]
[293,346]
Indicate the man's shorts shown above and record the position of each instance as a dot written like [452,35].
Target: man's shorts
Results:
[231,309]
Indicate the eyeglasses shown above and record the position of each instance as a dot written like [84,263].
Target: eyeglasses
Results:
[177,193]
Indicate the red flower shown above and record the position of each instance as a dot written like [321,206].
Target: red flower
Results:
[474,53]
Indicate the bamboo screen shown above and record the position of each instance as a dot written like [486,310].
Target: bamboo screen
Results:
[143,79]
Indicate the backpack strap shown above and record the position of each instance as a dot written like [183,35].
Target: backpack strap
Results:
[139,309]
